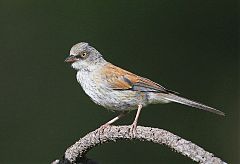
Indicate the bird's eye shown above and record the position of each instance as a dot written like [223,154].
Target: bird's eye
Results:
[84,54]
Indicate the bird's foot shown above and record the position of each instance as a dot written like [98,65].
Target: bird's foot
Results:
[102,128]
[133,130]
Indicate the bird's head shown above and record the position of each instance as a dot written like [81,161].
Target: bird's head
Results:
[84,56]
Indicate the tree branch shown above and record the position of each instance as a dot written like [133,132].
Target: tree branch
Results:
[77,151]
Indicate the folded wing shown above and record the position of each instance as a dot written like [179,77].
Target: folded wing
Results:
[119,79]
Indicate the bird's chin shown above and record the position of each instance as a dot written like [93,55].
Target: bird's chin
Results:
[79,65]
[75,65]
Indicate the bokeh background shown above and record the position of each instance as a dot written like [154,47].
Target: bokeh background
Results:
[187,46]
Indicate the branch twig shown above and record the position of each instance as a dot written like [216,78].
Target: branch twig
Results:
[159,136]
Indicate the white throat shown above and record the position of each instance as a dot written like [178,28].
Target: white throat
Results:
[85,66]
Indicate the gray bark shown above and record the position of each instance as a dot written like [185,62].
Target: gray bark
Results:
[77,152]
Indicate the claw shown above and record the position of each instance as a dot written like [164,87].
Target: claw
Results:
[134,125]
[102,128]
[133,130]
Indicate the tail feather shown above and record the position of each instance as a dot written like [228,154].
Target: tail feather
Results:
[182,100]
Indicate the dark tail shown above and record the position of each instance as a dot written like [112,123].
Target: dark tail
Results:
[181,100]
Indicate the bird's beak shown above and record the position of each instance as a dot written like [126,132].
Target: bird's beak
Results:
[71,59]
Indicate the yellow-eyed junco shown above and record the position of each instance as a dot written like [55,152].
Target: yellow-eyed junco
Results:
[117,89]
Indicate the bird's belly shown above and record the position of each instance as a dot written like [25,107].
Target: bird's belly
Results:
[122,100]
[116,100]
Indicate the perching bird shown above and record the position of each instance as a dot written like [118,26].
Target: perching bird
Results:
[117,89]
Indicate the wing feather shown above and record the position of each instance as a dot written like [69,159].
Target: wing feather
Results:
[119,79]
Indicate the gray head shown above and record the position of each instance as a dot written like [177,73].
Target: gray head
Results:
[83,56]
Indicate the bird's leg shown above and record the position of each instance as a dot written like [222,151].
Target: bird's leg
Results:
[101,129]
[134,124]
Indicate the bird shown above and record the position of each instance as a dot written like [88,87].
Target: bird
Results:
[119,90]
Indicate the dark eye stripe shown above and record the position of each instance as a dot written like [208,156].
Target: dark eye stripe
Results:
[78,56]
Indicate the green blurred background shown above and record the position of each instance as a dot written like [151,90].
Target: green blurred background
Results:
[187,46]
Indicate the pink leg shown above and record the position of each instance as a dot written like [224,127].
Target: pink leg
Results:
[111,121]
[134,124]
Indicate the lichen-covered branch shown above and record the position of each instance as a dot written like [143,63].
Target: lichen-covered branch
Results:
[159,136]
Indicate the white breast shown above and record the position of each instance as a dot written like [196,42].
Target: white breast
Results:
[89,86]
